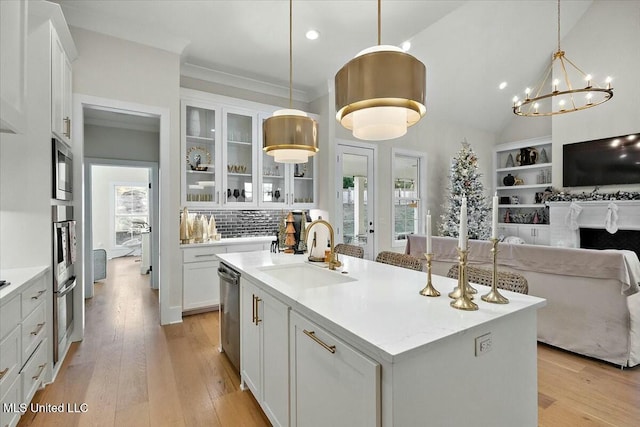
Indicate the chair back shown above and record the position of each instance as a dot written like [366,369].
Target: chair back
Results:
[482,276]
[399,260]
[350,250]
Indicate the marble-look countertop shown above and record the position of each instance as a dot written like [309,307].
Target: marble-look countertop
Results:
[230,241]
[382,310]
[18,277]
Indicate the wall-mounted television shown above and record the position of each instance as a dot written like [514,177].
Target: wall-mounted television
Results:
[606,161]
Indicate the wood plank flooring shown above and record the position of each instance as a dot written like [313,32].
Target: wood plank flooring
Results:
[130,371]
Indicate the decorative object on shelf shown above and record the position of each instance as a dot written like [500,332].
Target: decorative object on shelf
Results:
[505,200]
[185,232]
[282,231]
[228,193]
[194,123]
[509,180]
[194,158]
[527,156]
[465,180]
[380,92]
[507,216]
[565,196]
[461,298]
[536,218]
[538,197]
[236,194]
[205,228]
[510,163]
[518,181]
[213,230]
[300,170]
[197,229]
[276,194]
[290,240]
[302,242]
[562,96]
[290,136]
[543,156]
[494,296]
[611,219]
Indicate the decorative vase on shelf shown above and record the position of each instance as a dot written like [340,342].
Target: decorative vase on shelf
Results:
[509,180]
[197,229]
[510,162]
[185,232]
[543,156]
[194,122]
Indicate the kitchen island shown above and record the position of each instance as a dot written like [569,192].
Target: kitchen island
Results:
[360,346]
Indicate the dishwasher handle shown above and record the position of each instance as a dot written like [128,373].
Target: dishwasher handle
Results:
[228,275]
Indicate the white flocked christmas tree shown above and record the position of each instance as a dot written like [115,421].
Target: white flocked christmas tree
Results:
[465,181]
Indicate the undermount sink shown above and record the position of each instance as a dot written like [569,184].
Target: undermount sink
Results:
[306,275]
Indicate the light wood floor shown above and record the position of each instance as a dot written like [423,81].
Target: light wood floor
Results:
[132,372]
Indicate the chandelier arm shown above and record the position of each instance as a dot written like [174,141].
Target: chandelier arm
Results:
[558,25]
[568,82]
[290,54]
[576,67]
[379,22]
[544,80]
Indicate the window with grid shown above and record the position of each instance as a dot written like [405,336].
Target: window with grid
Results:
[407,194]
[131,213]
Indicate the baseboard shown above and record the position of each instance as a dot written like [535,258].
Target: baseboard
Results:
[172,315]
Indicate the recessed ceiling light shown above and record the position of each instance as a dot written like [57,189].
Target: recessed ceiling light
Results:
[622,156]
[405,46]
[502,85]
[631,137]
[312,34]
[615,142]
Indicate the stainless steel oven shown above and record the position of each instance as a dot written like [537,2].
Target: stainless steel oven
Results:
[64,278]
[62,171]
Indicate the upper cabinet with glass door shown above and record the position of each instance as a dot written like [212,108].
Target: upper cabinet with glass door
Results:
[201,155]
[286,185]
[240,156]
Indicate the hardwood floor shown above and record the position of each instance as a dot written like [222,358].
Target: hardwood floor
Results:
[130,371]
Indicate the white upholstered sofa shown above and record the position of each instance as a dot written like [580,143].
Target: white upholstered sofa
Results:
[593,298]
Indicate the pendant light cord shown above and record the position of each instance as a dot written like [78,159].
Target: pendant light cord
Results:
[558,25]
[379,21]
[290,54]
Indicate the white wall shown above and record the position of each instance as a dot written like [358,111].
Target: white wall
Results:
[103,178]
[604,43]
[123,144]
[116,69]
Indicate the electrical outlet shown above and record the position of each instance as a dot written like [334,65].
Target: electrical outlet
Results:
[484,344]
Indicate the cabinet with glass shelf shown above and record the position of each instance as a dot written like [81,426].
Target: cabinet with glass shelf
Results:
[239,156]
[523,171]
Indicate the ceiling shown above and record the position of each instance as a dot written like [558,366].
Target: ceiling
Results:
[468,47]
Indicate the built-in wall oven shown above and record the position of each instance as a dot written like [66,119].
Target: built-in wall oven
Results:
[64,277]
[62,171]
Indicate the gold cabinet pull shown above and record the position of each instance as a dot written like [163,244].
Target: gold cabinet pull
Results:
[38,329]
[258,319]
[3,372]
[254,309]
[38,294]
[67,124]
[311,334]
[37,376]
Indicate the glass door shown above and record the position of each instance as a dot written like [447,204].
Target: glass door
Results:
[201,182]
[239,158]
[303,183]
[356,191]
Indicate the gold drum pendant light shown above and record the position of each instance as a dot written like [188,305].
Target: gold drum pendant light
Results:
[290,136]
[559,96]
[380,92]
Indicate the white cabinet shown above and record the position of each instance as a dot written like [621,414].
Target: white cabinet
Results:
[522,173]
[331,383]
[264,350]
[200,283]
[531,234]
[61,89]
[13,65]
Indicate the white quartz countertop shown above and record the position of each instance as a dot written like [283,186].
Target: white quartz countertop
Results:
[18,277]
[382,309]
[230,241]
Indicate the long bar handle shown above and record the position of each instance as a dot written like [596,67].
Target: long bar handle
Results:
[258,319]
[67,123]
[38,329]
[204,255]
[38,294]
[311,334]
[3,372]
[37,376]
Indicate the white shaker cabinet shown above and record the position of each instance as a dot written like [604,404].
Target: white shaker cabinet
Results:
[13,65]
[61,89]
[200,283]
[264,350]
[331,383]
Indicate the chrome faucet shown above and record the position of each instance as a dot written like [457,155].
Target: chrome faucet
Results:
[333,257]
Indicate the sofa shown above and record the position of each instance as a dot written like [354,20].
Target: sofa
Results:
[593,298]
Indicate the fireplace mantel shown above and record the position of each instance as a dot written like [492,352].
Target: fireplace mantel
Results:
[593,215]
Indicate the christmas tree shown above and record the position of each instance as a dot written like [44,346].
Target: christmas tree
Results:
[465,181]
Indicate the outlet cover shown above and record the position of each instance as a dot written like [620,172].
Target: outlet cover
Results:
[484,343]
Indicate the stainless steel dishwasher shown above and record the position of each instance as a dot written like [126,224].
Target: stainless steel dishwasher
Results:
[230,313]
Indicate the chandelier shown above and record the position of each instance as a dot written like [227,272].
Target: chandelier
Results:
[562,96]
[290,136]
[380,92]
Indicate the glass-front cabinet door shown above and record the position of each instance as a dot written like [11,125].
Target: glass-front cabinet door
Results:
[200,148]
[240,157]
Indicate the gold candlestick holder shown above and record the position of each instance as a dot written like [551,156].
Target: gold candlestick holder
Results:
[494,296]
[463,301]
[429,290]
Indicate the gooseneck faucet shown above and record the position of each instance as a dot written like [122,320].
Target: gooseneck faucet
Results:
[333,257]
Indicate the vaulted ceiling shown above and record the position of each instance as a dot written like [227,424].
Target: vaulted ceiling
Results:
[468,47]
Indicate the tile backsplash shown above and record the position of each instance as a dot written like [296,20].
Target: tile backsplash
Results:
[245,223]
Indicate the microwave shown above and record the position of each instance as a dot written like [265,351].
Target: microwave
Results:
[62,170]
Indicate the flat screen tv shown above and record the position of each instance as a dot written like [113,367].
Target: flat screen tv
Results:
[606,161]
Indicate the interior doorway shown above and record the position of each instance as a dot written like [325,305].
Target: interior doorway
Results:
[356,193]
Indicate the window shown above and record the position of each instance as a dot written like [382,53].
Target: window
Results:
[408,194]
[131,213]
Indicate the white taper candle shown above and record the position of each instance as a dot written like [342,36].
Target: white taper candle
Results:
[428,232]
[494,219]
[462,238]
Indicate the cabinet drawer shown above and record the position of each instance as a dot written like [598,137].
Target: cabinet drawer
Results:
[33,372]
[247,247]
[9,315]
[33,295]
[10,403]
[202,254]
[33,330]
[10,361]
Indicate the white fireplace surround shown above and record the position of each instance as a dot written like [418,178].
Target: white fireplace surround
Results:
[593,215]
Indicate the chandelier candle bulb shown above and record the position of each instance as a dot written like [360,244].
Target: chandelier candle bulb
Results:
[462,237]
